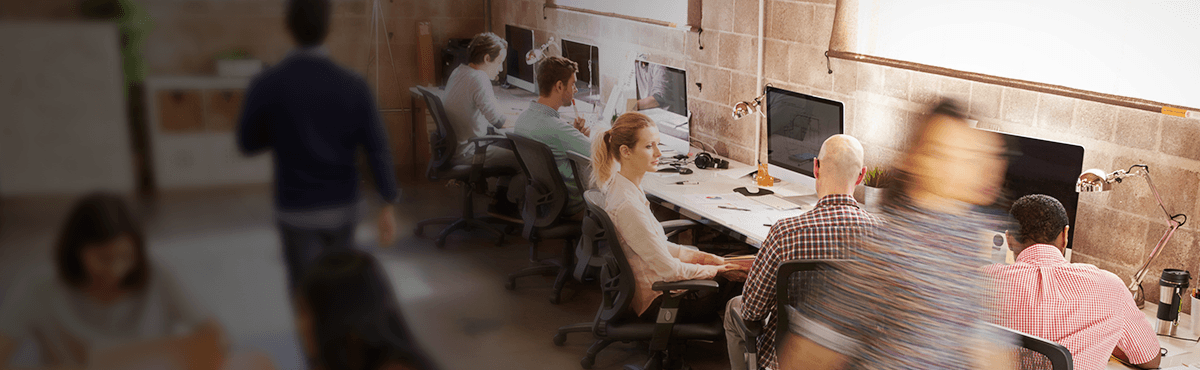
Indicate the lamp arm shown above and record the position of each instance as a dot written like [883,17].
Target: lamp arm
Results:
[1173,224]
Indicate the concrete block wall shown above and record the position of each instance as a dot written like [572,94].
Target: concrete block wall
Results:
[1115,230]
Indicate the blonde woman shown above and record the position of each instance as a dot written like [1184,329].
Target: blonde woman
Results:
[633,144]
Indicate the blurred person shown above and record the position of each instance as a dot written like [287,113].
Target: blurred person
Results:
[632,142]
[315,115]
[1084,308]
[824,232]
[915,296]
[472,109]
[348,317]
[109,306]
[541,122]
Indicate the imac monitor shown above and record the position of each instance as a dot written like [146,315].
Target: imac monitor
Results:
[1036,166]
[519,74]
[797,125]
[662,95]
[587,79]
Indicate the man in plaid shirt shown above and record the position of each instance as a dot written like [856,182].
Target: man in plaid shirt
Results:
[1084,308]
[820,233]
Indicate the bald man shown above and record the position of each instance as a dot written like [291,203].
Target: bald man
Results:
[817,234]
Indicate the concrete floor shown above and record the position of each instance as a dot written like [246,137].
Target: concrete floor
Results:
[223,247]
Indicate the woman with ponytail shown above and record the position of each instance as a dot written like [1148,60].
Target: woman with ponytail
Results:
[633,144]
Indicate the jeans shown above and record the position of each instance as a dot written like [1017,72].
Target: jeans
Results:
[303,245]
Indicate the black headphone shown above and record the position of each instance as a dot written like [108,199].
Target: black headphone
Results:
[705,160]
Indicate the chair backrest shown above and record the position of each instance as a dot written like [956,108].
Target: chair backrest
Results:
[581,166]
[796,282]
[443,143]
[616,277]
[1038,353]
[545,190]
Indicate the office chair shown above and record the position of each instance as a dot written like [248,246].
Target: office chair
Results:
[1036,352]
[793,281]
[615,320]
[545,201]
[444,146]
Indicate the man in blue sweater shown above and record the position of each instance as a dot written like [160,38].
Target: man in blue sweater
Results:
[315,115]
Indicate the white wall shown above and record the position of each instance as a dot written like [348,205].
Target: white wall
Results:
[63,126]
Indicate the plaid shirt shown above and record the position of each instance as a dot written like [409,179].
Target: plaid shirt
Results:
[817,234]
[1084,308]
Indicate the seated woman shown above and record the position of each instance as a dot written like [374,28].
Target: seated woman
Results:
[633,143]
[348,318]
[108,306]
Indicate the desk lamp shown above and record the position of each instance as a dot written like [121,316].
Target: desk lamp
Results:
[745,108]
[1094,180]
[536,55]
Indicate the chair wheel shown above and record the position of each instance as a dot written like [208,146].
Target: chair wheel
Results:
[418,232]
[555,298]
[587,362]
[440,243]
[560,339]
[511,284]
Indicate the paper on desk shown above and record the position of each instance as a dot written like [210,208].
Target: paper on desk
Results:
[729,199]
[736,173]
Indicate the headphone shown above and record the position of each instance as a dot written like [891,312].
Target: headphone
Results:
[705,160]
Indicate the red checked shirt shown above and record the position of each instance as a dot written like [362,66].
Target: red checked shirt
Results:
[817,234]
[1084,308]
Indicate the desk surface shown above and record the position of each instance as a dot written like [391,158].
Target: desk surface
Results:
[748,226]
[1179,352]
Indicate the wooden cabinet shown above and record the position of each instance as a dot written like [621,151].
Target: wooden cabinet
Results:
[222,108]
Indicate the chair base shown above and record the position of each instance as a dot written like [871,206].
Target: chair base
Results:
[563,267]
[459,223]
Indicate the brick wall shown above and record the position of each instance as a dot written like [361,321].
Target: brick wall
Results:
[1115,230]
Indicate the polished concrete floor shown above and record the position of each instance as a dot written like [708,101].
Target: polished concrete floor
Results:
[222,245]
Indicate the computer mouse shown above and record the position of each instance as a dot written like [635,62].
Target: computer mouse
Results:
[685,171]
[680,156]
[668,169]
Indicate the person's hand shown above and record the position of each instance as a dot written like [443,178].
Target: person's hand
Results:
[715,260]
[729,267]
[732,272]
[581,125]
[387,225]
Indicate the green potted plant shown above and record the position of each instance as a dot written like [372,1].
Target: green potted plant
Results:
[876,180]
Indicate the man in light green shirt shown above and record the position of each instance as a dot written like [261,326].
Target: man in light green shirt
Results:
[541,121]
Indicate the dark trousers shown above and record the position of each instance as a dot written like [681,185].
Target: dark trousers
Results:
[302,246]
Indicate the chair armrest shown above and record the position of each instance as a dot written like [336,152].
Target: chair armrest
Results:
[677,225]
[487,140]
[752,328]
[698,285]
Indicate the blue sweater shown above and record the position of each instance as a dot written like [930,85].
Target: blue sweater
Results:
[314,115]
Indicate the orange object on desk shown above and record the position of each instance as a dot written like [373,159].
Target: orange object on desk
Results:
[763,178]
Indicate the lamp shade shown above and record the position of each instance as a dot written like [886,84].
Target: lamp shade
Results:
[1093,180]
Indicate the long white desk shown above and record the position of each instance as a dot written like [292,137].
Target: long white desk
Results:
[514,101]
[1180,352]
[750,226]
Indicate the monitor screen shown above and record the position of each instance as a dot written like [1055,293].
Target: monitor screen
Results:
[1037,166]
[519,73]
[662,95]
[797,125]
[587,79]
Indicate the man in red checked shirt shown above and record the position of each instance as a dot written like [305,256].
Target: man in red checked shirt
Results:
[1084,308]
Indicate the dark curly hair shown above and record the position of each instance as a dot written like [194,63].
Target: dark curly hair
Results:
[308,21]
[98,218]
[1040,218]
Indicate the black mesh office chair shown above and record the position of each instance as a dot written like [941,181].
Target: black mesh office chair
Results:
[615,320]
[444,146]
[1040,354]
[792,283]
[546,196]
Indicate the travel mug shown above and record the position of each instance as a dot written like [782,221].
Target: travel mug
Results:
[1172,287]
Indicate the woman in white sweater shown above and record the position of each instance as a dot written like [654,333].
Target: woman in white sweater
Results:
[633,142]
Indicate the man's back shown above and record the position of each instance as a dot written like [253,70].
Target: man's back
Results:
[821,233]
[1084,308]
[314,115]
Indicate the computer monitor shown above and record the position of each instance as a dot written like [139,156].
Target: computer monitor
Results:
[1036,166]
[519,73]
[662,95]
[587,79]
[797,125]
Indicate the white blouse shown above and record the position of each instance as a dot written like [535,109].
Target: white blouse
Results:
[650,255]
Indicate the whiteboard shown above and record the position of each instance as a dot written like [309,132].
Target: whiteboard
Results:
[1144,49]
[674,11]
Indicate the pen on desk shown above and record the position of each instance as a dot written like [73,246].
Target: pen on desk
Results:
[687,183]
[767,225]
[733,208]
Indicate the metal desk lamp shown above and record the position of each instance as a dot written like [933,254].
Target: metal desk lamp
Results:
[537,55]
[1095,180]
